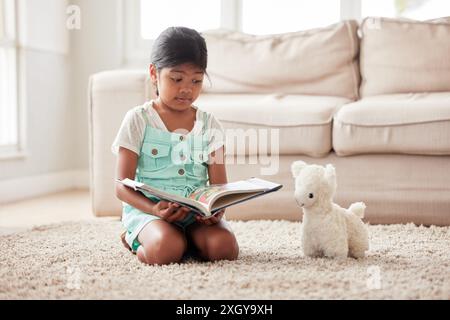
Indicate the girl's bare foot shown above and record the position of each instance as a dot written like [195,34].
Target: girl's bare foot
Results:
[122,237]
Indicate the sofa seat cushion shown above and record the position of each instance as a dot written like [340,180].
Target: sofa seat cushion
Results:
[303,122]
[402,123]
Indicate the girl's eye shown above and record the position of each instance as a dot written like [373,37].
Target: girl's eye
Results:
[177,79]
[197,81]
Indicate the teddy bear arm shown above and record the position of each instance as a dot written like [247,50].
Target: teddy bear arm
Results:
[310,247]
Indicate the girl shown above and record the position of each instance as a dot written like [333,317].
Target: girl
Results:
[172,145]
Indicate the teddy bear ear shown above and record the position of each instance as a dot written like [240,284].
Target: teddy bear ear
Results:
[296,167]
[330,173]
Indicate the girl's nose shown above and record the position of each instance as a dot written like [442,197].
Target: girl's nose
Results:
[186,90]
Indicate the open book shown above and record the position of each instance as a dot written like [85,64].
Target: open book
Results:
[208,200]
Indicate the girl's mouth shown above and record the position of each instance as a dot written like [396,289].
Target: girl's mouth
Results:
[183,99]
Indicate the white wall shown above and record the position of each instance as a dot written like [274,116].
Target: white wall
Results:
[96,47]
[44,50]
[58,63]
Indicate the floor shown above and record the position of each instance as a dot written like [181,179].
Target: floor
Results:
[73,205]
[86,260]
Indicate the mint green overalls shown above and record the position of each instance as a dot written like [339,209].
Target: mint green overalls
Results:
[170,161]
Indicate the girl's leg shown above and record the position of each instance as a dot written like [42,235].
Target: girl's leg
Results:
[214,242]
[161,243]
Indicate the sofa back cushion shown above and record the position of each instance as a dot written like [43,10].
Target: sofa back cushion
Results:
[404,56]
[317,62]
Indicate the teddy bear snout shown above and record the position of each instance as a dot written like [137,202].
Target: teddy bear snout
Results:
[299,203]
[304,199]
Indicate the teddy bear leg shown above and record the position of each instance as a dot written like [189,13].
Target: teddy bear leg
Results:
[357,254]
[340,254]
[358,250]
[313,253]
[338,250]
[310,251]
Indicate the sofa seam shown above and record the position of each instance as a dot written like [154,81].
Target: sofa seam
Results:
[293,34]
[281,126]
[112,90]
[407,21]
[355,88]
[390,124]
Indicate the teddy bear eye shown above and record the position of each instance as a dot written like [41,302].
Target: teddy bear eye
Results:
[310,195]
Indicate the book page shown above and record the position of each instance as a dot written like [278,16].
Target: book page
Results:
[227,200]
[203,199]
[209,194]
[195,205]
[206,194]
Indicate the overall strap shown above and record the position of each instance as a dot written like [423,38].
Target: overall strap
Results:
[205,124]
[205,121]
[145,115]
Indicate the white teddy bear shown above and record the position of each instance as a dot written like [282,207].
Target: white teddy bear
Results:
[328,229]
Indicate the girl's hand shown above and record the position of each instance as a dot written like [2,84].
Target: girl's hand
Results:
[170,211]
[210,220]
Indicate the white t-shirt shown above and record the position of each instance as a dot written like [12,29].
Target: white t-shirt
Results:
[132,129]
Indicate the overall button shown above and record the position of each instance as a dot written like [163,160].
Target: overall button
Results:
[181,138]
[181,172]
[154,152]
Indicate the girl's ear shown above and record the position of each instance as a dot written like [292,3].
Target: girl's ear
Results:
[154,78]
[153,73]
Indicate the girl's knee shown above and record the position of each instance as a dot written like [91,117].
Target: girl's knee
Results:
[164,249]
[222,246]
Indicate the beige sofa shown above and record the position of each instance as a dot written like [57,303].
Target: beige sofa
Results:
[372,99]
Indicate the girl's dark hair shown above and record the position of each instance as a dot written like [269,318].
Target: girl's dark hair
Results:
[178,45]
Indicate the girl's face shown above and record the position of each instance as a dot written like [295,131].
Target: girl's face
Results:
[178,86]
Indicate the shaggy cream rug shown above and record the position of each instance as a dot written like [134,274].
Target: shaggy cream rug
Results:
[86,260]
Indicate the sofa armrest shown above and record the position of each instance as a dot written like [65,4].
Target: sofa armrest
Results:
[110,95]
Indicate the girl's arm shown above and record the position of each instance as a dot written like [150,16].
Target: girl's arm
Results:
[217,175]
[126,168]
[216,168]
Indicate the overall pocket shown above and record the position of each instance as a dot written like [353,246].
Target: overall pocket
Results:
[155,156]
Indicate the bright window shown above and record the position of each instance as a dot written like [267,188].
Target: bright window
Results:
[279,16]
[8,78]
[200,15]
[149,17]
[412,9]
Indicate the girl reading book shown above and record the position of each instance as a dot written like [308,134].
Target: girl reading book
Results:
[170,144]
